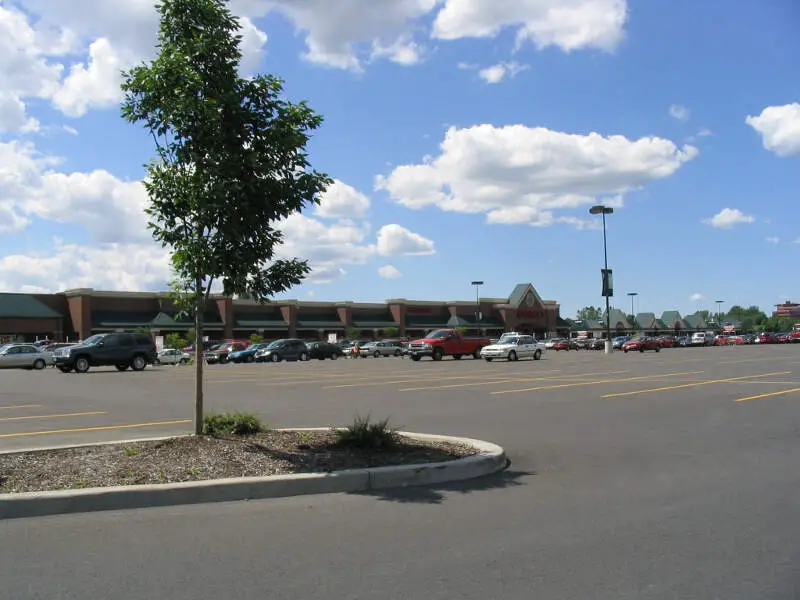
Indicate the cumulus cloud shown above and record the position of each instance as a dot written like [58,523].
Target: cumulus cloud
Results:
[728,217]
[341,201]
[394,240]
[496,73]
[697,297]
[519,174]
[779,128]
[389,272]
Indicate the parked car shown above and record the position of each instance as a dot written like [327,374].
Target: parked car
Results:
[666,341]
[641,344]
[597,344]
[514,348]
[286,349]
[119,349]
[247,355]
[171,356]
[767,337]
[446,342]
[378,349]
[616,343]
[702,338]
[24,356]
[683,341]
[219,355]
[559,345]
[323,350]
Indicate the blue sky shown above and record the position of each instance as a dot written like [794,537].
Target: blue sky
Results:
[468,142]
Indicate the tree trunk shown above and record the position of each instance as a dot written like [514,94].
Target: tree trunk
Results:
[199,351]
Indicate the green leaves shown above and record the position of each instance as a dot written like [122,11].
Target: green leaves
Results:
[231,159]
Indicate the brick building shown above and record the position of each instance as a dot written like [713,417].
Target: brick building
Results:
[79,313]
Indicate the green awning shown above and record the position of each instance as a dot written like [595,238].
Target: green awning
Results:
[25,306]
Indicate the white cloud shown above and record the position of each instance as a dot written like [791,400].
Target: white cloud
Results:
[676,111]
[567,24]
[341,201]
[779,128]
[518,174]
[704,133]
[728,217]
[389,272]
[697,297]
[773,240]
[403,51]
[394,239]
[496,73]
[13,118]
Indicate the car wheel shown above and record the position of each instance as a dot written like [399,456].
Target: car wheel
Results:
[397,352]
[625,350]
[275,358]
[250,359]
[376,354]
[456,357]
[415,358]
[81,364]
[537,355]
[121,367]
[303,357]
[512,356]
[138,363]
[39,364]
[157,361]
[334,356]
[658,349]
[65,369]
[487,358]
[641,349]
[438,354]
[477,354]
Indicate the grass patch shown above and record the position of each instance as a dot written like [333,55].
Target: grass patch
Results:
[365,434]
[232,424]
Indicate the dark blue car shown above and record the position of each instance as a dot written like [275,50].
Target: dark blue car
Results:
[247,355]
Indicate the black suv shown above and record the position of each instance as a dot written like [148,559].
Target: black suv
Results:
[121,350]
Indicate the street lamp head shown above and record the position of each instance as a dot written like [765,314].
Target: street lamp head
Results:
[633,293]
[599,209]
[477,283]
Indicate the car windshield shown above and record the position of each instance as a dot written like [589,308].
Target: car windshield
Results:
[276,344]
[438,335]
[94,339]
[509,340]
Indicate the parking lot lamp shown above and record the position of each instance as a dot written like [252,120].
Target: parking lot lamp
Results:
[608,288]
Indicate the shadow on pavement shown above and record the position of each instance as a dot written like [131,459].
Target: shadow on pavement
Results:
[436,494]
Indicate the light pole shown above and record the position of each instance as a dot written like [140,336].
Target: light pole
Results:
[719,304]
[632,296]
[478,315]
[608,288]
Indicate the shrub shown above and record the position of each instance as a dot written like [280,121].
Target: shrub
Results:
[232,424]
[364,434]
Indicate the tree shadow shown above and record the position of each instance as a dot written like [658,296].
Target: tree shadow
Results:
[436,493]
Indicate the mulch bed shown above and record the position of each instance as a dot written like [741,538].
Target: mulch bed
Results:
[202,458]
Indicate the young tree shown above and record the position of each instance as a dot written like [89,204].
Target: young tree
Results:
[231,162]
[175,341]
[590,313]
[256,338]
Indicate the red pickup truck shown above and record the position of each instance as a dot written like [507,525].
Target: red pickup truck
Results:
[446,342]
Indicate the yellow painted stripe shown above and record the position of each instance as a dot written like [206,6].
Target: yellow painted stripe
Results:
[83,429]
[495,379]
[687,385]
[515,380]
[20,406]
[780,393]
[598,381]
[78,414]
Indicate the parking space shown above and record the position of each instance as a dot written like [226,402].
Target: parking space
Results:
[50,408]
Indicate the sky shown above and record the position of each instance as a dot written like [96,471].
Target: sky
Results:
[467,140]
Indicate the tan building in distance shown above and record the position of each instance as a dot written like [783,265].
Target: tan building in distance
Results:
[78,313]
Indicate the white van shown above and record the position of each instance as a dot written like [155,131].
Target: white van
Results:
[702,338]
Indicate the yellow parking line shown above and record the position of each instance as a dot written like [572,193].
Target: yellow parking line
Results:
[686,385]
[79,414]
[104,428]
[515,380]
[20,406]
[498,379]
[780,393]
[585,383]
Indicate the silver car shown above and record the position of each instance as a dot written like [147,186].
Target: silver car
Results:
[378,349]
[24,356]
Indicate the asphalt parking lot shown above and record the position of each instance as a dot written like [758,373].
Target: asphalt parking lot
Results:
[50,408]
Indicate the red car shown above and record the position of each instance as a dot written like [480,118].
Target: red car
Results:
[666,341]
[561,345]
[767,338]
[641,344]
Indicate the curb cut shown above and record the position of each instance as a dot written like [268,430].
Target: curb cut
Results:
[489,459]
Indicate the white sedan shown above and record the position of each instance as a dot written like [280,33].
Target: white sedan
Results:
[514,348]
[170,356]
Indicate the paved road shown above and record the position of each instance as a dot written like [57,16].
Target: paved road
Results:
[635,476]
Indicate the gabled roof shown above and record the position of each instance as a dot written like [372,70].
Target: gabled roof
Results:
[694,321]
[618,319]
[519,294]
[671,317]
[25,306]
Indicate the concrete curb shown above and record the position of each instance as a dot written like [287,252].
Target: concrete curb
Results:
[489,459]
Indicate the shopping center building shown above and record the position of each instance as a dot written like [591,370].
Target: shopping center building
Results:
[79,313]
